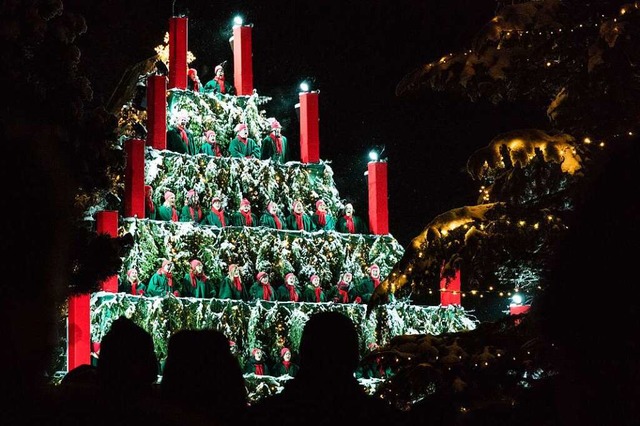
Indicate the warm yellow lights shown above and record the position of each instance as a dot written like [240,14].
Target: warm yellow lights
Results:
[515,144]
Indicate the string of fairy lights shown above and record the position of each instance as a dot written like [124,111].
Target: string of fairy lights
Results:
[509,34]
[480,293]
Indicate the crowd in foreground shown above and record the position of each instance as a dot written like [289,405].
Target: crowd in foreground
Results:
[203,383]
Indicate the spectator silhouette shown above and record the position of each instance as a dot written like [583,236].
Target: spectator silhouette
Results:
[127,372]
[325,391]
[202,382]
[78,396]
[127,359]
[83,375]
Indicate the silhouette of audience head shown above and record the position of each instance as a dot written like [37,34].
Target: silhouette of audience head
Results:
[324,390]
[329,346]
[128,363]
[200,364]
[82,375]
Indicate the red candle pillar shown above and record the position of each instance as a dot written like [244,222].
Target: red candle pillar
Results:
[242,60]
[157,112]
[78,332]
[518,309]
[378,197]
[107,223]
[450,289]
[178,39]
[134,179]
[515,309]
[309,128]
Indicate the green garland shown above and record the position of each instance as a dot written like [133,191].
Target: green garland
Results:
[233,179]
[220,113]
[324,253]
[269,325]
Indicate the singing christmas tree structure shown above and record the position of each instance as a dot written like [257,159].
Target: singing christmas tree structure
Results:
[578,61]
[244,261]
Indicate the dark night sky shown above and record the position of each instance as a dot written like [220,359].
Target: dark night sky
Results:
[355,55]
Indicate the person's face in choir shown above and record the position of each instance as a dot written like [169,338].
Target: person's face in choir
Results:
[193,200]
[348,210]
[216,204]
[258,355]
[375,272]
[235,272]
[183,119]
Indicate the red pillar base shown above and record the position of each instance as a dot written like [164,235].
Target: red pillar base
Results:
[178,45]
[309,128]
[107,223]
[157,112]
[450,290]
[378,198]
[242,60]
[518,309]
[78,332]
[134,179]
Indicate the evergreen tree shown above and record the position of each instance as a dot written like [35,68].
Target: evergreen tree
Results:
[578,64]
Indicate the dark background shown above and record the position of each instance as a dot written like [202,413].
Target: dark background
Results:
[354,54]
